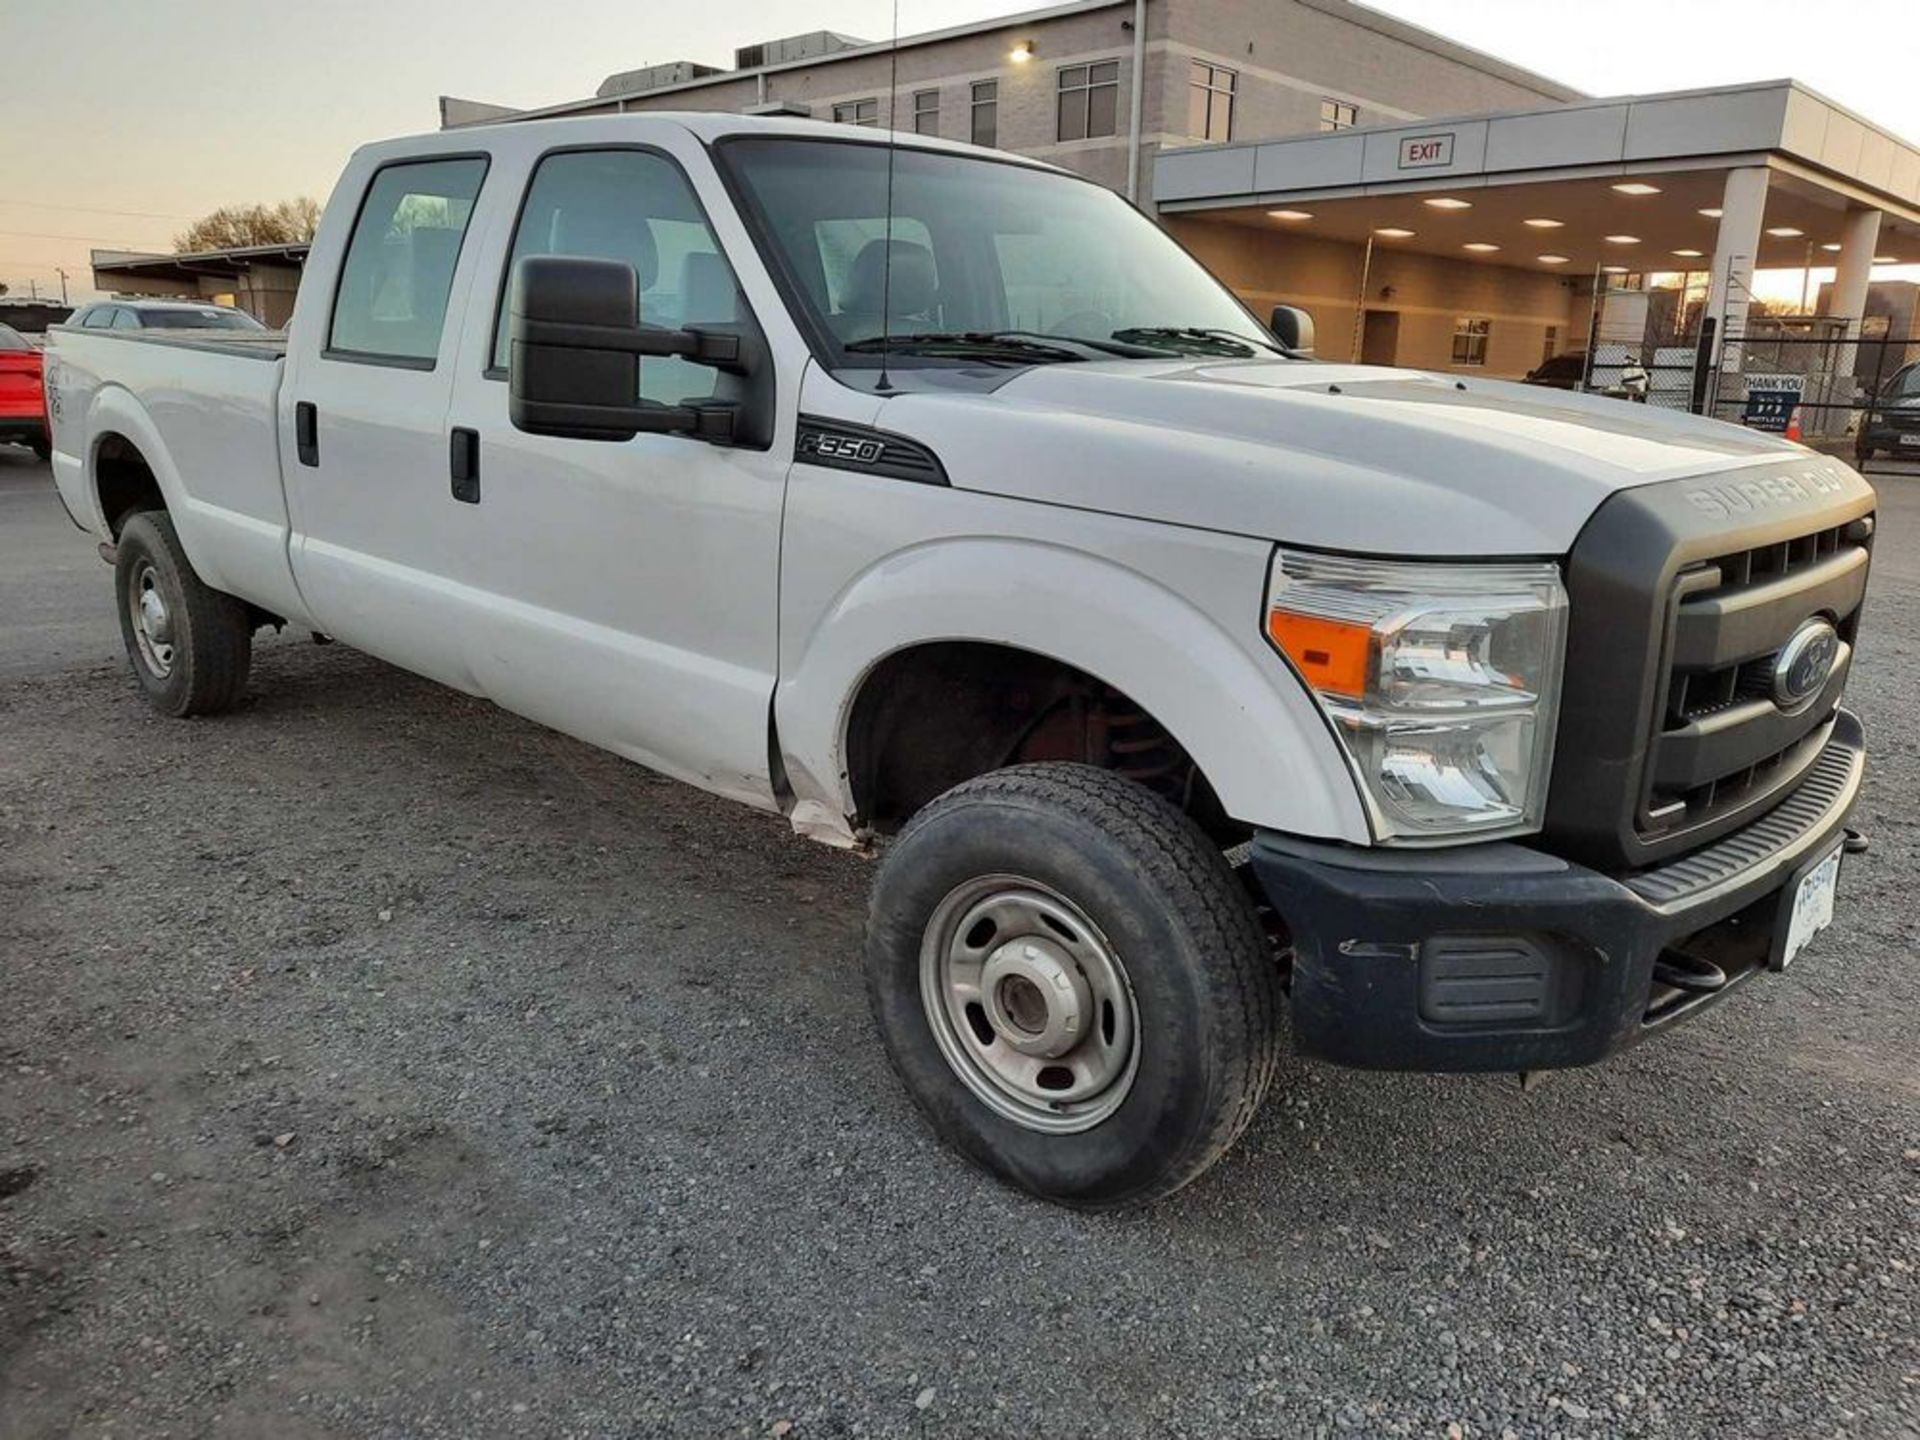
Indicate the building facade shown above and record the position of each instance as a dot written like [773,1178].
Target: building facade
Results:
[1065,84]
[1059,84]
[1292,146]
[259,279]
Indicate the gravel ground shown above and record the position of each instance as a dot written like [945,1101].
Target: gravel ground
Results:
[374,1063]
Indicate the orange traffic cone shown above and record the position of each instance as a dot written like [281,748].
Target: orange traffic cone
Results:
[1793,424]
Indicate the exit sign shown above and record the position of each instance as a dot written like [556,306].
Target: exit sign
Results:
[1417,152]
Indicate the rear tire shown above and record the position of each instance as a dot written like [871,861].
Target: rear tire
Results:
[190,646]
[1056,905]
[42,449]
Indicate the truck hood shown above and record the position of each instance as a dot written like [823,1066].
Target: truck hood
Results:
[1343,457]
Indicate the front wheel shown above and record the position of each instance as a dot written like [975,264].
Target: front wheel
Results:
[1072,984]
[190,645]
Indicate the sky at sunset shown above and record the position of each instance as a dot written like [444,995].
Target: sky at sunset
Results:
[122,120]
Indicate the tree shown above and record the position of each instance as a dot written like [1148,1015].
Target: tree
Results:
[233,227]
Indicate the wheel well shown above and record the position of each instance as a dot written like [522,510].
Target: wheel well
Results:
[125,482]
[932,716]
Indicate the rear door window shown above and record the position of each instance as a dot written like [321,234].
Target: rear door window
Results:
[391,304]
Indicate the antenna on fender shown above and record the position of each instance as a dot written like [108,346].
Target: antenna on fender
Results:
[886,251]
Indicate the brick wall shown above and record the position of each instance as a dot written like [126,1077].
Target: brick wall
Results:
[1288,56]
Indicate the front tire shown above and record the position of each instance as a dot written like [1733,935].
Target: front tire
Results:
[1072,984]
[190,645]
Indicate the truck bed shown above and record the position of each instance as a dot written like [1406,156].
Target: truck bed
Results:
[201,410]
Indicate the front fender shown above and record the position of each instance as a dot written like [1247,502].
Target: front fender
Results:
[1226,698]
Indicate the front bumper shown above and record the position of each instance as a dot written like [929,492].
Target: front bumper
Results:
[1500,957]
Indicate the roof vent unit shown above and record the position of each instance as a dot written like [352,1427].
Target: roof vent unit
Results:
[652,77]
[810,46]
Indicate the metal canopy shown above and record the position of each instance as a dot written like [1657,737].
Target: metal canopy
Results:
[1566,163]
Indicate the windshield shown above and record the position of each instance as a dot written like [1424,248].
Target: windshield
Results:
[988,260]
[208,319]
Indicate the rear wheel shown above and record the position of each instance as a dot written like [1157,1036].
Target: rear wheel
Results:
[1072,984]
[190,645]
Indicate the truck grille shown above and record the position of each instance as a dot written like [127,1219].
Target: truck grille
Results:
[1723,742]
[1683,596]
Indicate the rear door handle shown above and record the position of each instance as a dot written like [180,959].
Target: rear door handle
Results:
[463,461]
[306,432]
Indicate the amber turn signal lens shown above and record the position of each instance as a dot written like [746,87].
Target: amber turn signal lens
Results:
[1331,655]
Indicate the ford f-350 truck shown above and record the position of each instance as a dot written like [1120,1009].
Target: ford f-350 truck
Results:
[938,501]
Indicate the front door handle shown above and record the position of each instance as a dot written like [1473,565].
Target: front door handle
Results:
[463,460]
[306,432]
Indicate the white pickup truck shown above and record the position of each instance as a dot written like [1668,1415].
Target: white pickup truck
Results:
[938,501]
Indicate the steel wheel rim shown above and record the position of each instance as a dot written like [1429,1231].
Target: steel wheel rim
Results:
[152,620]
[1029,1004]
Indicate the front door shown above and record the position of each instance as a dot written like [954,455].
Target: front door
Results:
[363,418]
[1380,337]
[624,592]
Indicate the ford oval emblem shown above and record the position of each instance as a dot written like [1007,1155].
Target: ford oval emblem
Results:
[1801,668]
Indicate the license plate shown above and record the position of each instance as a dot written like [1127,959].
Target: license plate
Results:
[1911,437]
[1812,907]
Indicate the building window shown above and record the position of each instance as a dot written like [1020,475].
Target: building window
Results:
[857,112]
[1089,100]
[1210,102]
[926,112]
[1338,115]
[986,112]
[1470,340]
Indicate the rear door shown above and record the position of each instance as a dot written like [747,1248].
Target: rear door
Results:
[364,409]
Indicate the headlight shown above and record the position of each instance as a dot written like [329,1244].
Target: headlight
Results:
[1441,680]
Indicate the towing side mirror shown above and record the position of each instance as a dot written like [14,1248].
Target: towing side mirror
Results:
[576,345]
[1293,328]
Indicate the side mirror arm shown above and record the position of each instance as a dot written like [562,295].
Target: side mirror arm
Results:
[712,420]
[702,347]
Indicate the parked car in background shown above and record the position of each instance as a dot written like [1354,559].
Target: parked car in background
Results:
[1560,372]
[23,406]
[1892,421]
[162,315]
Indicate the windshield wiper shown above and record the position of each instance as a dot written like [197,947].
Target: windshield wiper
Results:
[967,344]
[1194,340]
[1105,347]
